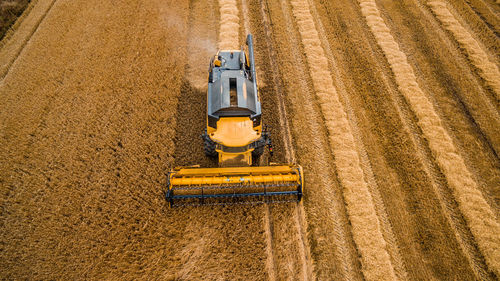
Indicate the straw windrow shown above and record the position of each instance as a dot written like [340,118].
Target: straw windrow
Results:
[477,56]
[229,25]
[365,223]
[472,204]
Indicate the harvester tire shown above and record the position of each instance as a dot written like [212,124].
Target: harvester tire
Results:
[210,147]
[256,156]
[257,152]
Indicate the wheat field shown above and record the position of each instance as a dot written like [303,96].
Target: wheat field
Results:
[391,107]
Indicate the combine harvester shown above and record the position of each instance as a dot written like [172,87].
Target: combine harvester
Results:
[236,137]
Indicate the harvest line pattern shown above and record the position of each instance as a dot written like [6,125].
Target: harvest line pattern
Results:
[365,223]
[229,25]
[289,152]
[477,212]
[478,57]
[336,256]
[386,228]
[104,97]
[11,48]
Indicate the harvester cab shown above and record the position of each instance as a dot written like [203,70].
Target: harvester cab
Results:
[234,129]
[235,135]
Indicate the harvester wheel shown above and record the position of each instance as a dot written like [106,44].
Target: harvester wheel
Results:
[257,152]
[258,157]
[210,147]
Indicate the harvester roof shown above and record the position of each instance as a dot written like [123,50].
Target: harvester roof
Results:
[230,91]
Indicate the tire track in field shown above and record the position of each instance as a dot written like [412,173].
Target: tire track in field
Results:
[490,18]
[298,215]
[335,251]
[12,46]
[296,257]
[451,212]
[473,113]
[229,25]
[478,57]
[478,19]
[365,222]
[268,223]
[444,195]
[418,256]
[229,39]
[386,227]
[393,160]
[484,13]
[472,204]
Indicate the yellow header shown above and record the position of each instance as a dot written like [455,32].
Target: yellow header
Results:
[237,175]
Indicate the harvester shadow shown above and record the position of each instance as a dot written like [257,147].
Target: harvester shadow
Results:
[210,231]
[191,123]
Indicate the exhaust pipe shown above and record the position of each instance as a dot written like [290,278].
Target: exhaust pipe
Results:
[252,60]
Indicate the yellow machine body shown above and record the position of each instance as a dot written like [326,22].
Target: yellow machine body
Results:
[194,176]
[193,185]
[235,131]
[235,136]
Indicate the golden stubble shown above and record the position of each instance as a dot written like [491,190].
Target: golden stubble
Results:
[472,204]
[477,56]
[362,214]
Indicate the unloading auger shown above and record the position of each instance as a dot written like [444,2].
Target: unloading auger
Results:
[234,135]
